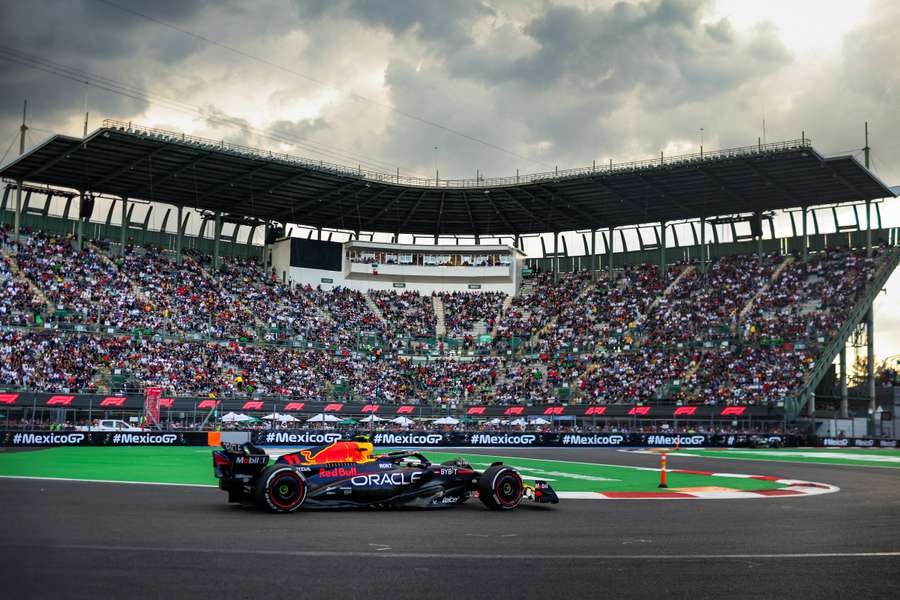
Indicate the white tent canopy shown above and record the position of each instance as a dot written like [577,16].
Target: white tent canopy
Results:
[323,418]
[371,419]
[402,421]
[234,417]
[446,421]
[280,417]
[539,421]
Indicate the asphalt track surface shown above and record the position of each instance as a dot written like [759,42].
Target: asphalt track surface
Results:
[99,540]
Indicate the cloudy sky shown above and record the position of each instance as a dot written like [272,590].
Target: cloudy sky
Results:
[460,86]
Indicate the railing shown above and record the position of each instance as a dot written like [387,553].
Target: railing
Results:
[794,405]
[434,182]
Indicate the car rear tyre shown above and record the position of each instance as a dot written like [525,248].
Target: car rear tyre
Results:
[500,488]
[280,489]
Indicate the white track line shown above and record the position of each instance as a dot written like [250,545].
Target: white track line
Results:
[463,556]
[774,460]
[200,485]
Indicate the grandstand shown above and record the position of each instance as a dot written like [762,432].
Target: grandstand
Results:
[688,326]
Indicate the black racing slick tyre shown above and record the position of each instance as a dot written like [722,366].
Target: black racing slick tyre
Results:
[500,488]
[280,489]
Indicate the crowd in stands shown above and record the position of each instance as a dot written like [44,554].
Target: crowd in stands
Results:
[83,286]
[408,313]
[18,304]
[812,298]
[707,305]
[745,331]
[463,311]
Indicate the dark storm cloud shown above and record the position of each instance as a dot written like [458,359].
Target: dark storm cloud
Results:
[549,88]
[443,22]
[298,129]
[88,36]
[661,48]
[559,84]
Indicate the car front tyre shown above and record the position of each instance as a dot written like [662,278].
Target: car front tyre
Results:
[501,488]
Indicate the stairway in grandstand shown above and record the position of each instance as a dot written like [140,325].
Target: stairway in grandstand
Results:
[257,320]
[135,289]
[374,308]
[793,406]
[671,287]
[775,275]
[440,324]
[103,379]
[638,340]
[32,286]
[589,286]
[507,302]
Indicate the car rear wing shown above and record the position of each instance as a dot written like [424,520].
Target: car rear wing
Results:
[237,460]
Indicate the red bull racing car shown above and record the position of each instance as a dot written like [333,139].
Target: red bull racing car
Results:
[347,474]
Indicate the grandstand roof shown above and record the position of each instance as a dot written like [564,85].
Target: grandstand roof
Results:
[121,159]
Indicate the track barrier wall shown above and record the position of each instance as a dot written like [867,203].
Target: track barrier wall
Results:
[276,437]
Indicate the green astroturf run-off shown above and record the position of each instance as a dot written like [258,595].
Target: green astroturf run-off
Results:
[193,465]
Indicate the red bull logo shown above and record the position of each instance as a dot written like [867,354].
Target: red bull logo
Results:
[339,472]
[337,452]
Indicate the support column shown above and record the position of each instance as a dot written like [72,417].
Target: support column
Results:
[805,240]
[217,232]
[612,245]
[17,221]
[759,249]
[845,405]
[811,410]
[662,251]
[703,245]
[179,234]
[555,256]
[870,364]
[593,255]
[80,224]
[124,225]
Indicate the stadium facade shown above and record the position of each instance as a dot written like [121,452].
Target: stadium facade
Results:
[685,202]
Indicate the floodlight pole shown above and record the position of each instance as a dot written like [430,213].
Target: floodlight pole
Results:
[868,202]
[845,408]
[870,314]
[17,222]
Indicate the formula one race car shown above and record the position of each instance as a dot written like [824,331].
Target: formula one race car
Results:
[347,475]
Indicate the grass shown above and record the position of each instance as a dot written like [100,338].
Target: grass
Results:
[194,466]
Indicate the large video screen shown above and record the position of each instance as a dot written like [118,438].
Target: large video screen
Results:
[313,254]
